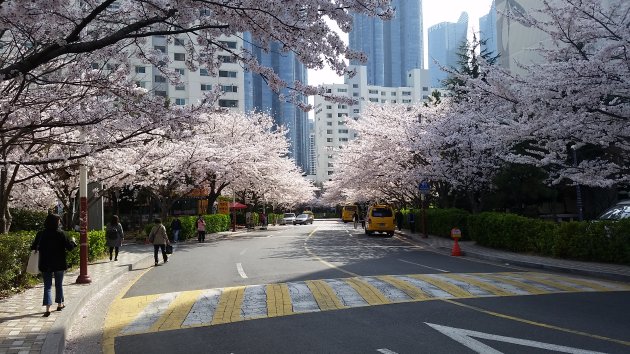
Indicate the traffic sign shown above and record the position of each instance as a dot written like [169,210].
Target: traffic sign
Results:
[424,187]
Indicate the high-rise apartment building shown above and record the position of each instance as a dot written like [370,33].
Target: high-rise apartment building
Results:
[445,39]
[331,131]
[259,97]
[393,47]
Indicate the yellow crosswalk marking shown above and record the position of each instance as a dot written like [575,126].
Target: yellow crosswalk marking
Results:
[582,282]
[480,284]
[547,282]
[448,287]
[229,307]
[177,311]
[278,300]
[407,288]
[519,284]
[324,295]
[368,292]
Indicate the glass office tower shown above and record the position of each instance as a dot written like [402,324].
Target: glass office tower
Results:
[445,40]
[393,47]
[258,97]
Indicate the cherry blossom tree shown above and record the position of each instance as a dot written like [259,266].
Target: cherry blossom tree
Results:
[65,72]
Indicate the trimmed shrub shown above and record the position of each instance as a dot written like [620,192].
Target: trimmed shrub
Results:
[25,220]
[441,221]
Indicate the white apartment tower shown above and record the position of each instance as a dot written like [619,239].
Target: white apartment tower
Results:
[330,129]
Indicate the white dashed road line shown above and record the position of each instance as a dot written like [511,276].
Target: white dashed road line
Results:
[422,265]
[241,272]
[385,351]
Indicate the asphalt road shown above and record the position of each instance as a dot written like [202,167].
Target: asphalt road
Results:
[328,288]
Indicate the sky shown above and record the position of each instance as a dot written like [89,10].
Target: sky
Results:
[434,11]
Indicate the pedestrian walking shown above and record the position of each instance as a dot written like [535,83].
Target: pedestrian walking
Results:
[52,245]
[399,219]
[114,236]
[159,239]
[355,218]
[412,222]
[201,229]
[176,228]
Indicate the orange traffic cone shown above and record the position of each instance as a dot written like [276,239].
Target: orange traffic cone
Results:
[456,250]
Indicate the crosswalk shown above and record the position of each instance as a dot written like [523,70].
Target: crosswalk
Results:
[187,309]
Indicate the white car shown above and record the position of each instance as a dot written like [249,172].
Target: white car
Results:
[287,219]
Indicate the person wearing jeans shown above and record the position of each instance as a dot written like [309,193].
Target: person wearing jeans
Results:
[176,227]
[52,245]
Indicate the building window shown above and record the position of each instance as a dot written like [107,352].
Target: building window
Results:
[159,93]
[228,103]
[179,57]
[329,131]
[330,156]
[343,139]
[328,115]
[406,93]
[180,87]
[161,48]
[330,173]
[425,97]
[355,94]
[111,66]
[373,92]
[329,140]
[206,87]
[343,131]
[342,90]
[356,110]
[225,73]
[341,122]
[180,101]
[330,164]
[203,72]
[140,70]
[406,101]
[179,42]
[340,115]
[355,85]
[229,88]
[393,101]
[159,78]
[229,44]
[328,107]
[227,59]
[95,66]
[383,93]
[373,99]
[328,91]
[424,88]
[383,101]
[142,84]
[393,93]
[181,72]
[329,124]
[342,106]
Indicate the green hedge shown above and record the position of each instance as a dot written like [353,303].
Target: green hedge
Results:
[15,250]
[441,221]
[25,220]
[587,241]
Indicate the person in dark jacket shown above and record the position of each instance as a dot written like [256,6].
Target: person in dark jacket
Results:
[52,245]
[176,228]
[114,236]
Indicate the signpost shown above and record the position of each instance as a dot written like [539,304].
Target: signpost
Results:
[424,190]
[224,207]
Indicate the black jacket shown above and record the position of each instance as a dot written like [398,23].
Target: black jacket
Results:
[52,246]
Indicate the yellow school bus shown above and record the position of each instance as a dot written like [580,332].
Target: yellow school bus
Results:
[347,212]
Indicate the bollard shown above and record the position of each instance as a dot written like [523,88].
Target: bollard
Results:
[455,235]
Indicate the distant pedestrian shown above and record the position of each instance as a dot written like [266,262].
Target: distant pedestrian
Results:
[52,245]
[201,229]
[114,236]
[412,222]
[159,239]
[355,218]
[399,219]
[176,228]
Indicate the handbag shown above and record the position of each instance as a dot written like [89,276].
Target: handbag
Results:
[169,249]
[32,267]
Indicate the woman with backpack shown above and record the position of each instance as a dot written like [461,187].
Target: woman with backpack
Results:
[114,235]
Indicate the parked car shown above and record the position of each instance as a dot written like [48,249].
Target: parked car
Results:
[618,211]
[380,218]
[287,219]
[303,219]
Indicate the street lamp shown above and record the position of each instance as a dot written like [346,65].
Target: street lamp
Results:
[83,277]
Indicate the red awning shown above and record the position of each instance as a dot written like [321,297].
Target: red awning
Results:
[237,205]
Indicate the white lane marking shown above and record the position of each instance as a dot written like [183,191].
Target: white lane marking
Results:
[243,252]
[422,265]
[241,272]
[151,313]
[204,308]
[385,351]
[464,337]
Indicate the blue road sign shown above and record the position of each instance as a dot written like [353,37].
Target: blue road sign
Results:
[424,187]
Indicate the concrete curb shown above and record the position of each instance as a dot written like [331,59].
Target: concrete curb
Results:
[55,341]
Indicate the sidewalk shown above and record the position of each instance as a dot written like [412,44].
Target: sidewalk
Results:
[470,249]
[24,330]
